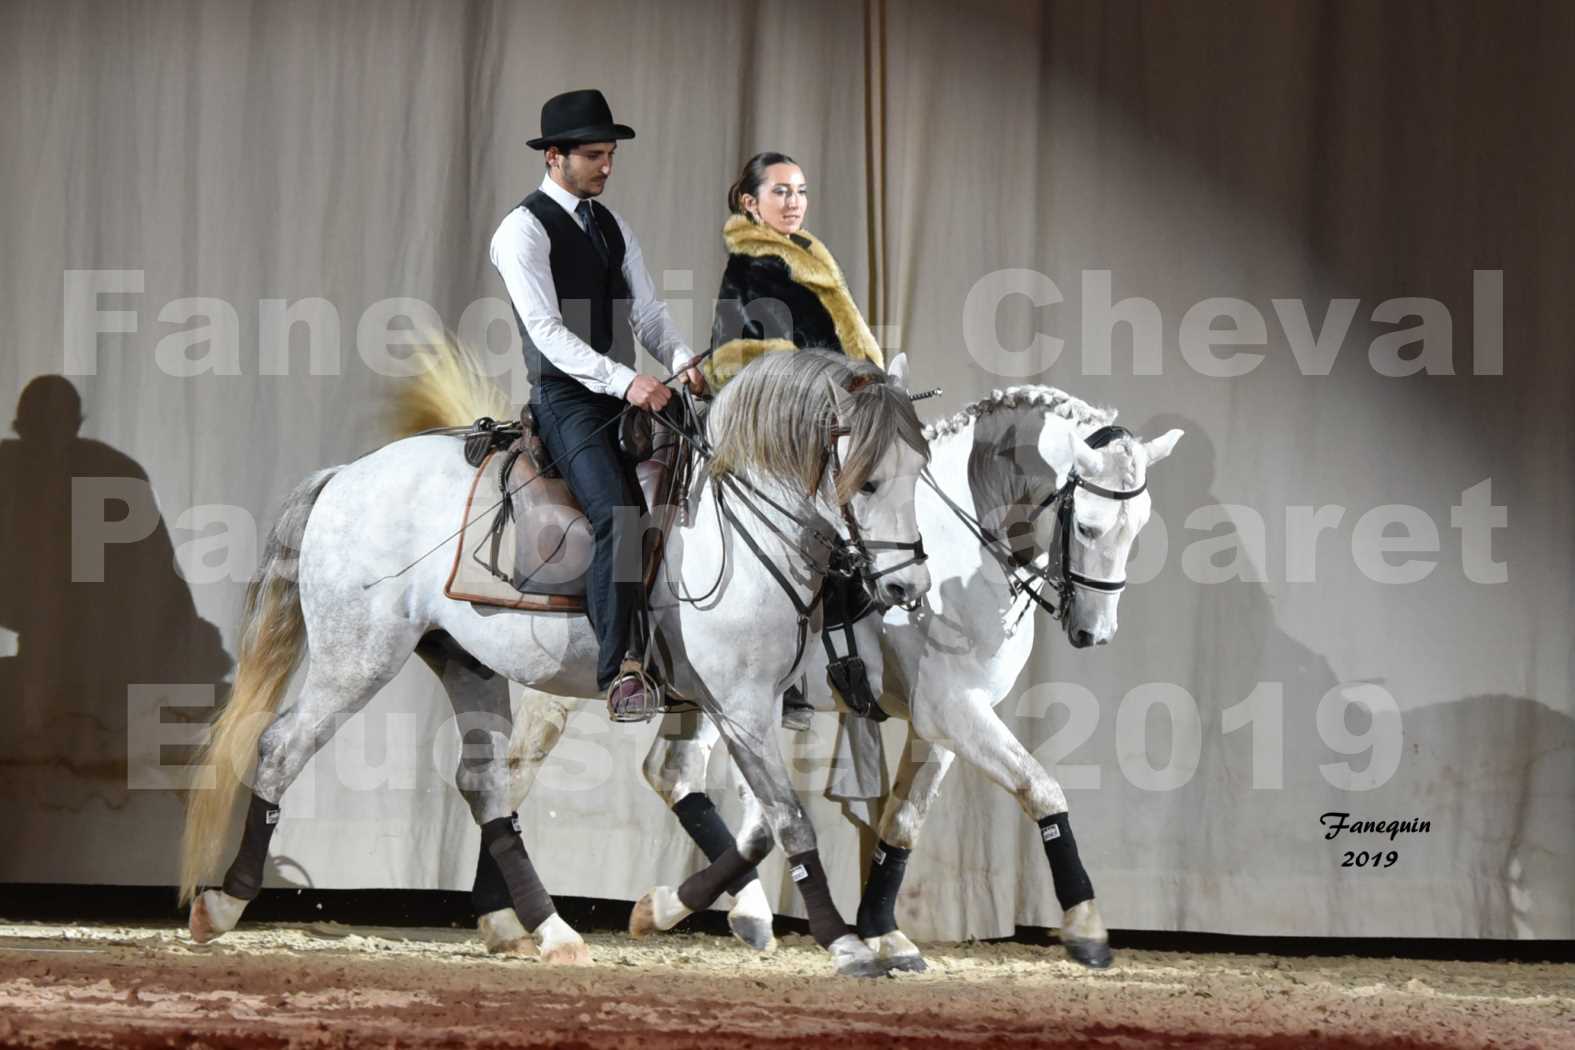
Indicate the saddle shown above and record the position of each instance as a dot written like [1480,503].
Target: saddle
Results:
[525,542]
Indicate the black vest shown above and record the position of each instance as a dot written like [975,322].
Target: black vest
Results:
[593,296]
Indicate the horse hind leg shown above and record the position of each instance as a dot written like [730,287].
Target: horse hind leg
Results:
[329,696]
[676,769]
[522,915]
[538,724]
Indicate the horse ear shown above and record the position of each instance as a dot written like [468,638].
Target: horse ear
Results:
[1160,447]
[897,372]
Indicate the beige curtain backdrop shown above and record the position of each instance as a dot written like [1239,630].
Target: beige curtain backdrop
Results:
[1292,154]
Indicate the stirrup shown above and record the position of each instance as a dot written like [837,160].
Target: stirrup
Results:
[634,695]
[850,681]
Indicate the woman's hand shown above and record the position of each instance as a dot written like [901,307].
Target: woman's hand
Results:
[695,380]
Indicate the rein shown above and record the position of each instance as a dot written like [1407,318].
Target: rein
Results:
[1029,579]
[844,558]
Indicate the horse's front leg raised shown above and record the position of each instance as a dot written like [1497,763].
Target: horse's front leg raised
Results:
[969,726]
[753,744]
[675,768]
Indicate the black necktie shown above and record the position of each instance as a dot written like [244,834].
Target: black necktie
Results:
[593,228]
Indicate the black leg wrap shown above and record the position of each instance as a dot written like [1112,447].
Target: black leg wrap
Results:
[244,879]
[1071,881]
[489,893]
[501,838]
[878,906]
[825,924]
[709,831]
[700,890]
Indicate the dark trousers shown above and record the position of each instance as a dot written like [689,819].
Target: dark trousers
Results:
[571,418]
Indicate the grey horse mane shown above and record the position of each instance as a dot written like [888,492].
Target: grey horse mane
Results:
[770,420]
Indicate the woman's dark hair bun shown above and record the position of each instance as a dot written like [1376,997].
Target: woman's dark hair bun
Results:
[751,177]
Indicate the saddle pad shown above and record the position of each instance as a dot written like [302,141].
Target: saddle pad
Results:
[561,556]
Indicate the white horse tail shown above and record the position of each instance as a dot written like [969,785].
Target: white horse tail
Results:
[272,635]
[454,391]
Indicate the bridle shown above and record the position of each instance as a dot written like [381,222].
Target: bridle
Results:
[848,557]
[852,556]
[1052,592]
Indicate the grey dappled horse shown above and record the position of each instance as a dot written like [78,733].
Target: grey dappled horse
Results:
[330,588]
[998,466]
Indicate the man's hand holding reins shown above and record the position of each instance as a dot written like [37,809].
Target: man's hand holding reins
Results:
[648,393]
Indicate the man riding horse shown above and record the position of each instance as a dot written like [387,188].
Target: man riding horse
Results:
[580,290]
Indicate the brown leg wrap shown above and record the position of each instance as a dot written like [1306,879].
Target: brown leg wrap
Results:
[710,832]
[489,893]
[244,879]
[825,922]
[700,890]
[501,838]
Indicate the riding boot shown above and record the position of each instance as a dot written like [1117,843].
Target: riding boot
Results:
[632,696]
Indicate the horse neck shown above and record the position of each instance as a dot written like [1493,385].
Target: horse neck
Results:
[778,494]
[974,462]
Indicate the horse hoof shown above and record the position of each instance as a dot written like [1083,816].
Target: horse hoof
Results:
[569,953]
[864,967]
[642,921]
[1093,954]
[202,928]
[906,964]
[752,930]
[517,948]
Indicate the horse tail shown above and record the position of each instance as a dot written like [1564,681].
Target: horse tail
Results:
[272,635]
[453,391]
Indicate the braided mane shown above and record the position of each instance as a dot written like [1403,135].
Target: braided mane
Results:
[1048,398]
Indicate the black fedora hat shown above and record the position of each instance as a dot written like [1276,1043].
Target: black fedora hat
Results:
[578,116]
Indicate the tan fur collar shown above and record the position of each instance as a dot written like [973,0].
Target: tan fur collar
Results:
[815,269]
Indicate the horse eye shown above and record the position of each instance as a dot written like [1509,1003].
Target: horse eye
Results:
[1087,533]
[869,487]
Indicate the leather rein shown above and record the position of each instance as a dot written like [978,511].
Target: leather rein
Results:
[849,557]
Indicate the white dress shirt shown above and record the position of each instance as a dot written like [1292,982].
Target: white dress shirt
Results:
[521,252]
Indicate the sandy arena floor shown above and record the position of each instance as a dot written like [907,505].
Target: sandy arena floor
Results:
[330,985]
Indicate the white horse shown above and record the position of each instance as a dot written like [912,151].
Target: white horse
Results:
[331,586]
[1015,470]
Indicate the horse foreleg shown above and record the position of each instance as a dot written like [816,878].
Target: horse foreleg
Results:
[919,775]
[970,726]
[748,731]
[675,768]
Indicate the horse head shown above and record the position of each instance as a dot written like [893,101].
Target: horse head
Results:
[1102,504]
[844,437]
[881,449]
